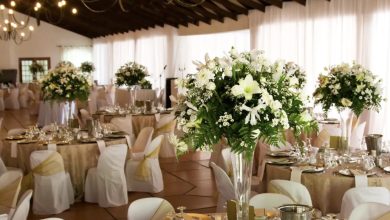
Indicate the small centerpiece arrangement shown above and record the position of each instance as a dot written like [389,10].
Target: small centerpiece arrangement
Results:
[65,83]
[351,89]
[87,67]
[132,75]
[36,68]
[241,98]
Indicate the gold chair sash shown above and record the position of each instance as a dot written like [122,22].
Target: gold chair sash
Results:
[168,127]
[143,171]
[52,165]
[8,194]
[162,210]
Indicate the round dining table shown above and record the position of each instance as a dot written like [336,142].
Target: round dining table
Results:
[326,188]
[78,158]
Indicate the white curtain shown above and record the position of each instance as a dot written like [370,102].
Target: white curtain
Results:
[194,47]
[328,33]
[76,54]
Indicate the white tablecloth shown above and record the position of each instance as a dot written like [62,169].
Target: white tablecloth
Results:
[52,111]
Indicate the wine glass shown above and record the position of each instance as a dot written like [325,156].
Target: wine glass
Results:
[181,214]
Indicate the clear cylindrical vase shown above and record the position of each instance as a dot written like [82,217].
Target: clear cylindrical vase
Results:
[346,117]
[242,176]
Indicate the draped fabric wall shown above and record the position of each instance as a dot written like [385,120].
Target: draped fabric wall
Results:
[76,54]
[315,36]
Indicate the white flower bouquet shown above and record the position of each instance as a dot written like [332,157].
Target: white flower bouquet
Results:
[131,74]
[242,97]
[348,86]
[65,83]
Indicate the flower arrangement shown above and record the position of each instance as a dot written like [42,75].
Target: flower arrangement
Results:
[130,74]
[36,67]
[348,86]
[64,64]
[87,67]
[242,97]
[65,83]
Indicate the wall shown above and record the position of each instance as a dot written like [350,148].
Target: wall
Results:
[44,42]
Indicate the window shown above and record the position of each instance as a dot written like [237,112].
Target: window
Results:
[24,68]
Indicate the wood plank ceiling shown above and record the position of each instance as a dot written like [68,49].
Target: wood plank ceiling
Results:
[144,14]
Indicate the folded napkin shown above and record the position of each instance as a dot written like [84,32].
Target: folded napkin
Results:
[14,149]
[52,147]
[296,174]
[102,145]
[361,179]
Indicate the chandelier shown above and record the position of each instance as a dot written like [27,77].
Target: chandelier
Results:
[18,28]
[186,3]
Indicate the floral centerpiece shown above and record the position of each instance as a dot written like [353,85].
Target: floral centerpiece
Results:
[131,74]
[348,88]
[35,68]
[87,67]
[64,63]
[65,83]
[242,98]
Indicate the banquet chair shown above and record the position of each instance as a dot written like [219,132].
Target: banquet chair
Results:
[173,100]
[101,98]
[369,211]
[53,191]
[23,207]
[124,124]
[269,200]
[110,93]
[143,140]
[143,172]
[357,135]
[106,183]
[92,100]
[227,161]
[2,107]
[224,186]
[149,209]
[356,196]
[295,191]
[24,95]
[10,184]
[145,94]
[12,101]
[3,168]
[166,127]
[85,116]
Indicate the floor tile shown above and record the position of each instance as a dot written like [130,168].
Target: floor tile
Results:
[192,202]
[193,175]
[203,188]
[175,188]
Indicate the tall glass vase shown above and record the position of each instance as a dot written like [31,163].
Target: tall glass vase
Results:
[346,118]
[133,91]
[68,108]
[242,176]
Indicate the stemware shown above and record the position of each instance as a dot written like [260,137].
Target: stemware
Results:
[181,214]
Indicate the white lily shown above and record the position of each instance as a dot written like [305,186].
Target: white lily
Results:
[253,114]
[246,87]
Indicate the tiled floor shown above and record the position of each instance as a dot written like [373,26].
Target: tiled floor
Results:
[188,182]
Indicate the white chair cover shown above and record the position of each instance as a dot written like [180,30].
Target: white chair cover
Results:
[143,140]
[145,94]
[295,191]
[106,184]
[10,188]
[52,194]
[148,161]
[92,101]
[124,124]
[149,209]
[110,94]
[85,116]
[224,186]
[269,200]
[356,196]
[101,98]
[24,95]
[369,211]
[166,126]
[357,135]
[12,101]
[23,206]
[2,105]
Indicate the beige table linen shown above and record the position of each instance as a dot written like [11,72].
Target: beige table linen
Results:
[326,189]
[78,158]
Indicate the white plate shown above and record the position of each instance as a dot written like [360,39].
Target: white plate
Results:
[279,153]
[387,169]
[311,169]
[283,161]
[346,172]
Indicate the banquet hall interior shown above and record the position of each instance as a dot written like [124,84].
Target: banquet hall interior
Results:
[194,109]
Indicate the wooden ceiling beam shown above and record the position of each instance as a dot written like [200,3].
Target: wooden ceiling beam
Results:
[190,16]
[195,15]
[302,2]
[151,13]
[207,13]
[232,7]
[277,3]
[162,11]
[217,10]
[253,4]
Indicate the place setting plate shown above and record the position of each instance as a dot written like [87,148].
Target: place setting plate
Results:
[347,172]
[281,161]
[386,169]
[27,141]
[279,153]
[15,137]
[311,169]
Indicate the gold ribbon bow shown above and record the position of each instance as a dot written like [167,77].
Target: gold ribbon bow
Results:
[7,194]
[52,165]
[143,171]
[167,128]
[162,211]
